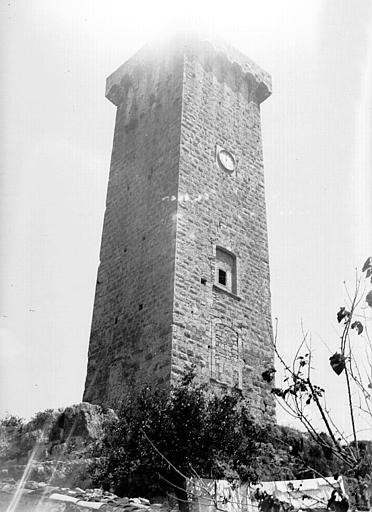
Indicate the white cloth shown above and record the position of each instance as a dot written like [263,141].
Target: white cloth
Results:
[211,495]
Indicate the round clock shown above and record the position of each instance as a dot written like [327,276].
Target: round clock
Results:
[226,160]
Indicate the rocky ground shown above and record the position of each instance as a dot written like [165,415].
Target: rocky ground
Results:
[41,497]
[44,464]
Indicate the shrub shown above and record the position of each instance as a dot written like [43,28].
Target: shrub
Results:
[161,438]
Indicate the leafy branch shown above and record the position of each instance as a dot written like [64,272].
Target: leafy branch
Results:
[299,392]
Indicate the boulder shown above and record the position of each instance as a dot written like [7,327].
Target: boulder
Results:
[85,421]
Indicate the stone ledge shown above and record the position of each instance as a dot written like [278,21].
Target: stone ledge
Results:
[227,292]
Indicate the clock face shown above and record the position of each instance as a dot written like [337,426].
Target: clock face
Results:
[226,160]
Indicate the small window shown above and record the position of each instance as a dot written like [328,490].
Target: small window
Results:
[221,277]
[225,271]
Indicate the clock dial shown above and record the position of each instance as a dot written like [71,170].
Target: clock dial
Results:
[226,160]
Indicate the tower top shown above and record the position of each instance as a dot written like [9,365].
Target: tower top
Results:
[212,48]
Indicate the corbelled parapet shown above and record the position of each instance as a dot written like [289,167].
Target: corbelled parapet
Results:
[233,65]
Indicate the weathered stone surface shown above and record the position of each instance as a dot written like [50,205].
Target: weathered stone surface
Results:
[84,420]
[169,207]
[55,446]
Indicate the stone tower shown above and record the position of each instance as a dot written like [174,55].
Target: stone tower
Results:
[184,271]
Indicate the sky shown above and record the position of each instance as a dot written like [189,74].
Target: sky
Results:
[56,139]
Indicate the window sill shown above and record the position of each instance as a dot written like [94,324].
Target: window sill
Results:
[227,292]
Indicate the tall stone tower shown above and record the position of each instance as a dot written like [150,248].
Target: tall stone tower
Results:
[184,272]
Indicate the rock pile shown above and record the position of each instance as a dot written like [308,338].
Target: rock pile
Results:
[47,498]
[56,445]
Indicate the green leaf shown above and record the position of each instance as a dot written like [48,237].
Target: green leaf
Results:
[358,326]
[369,299]
[268,375]
[337,362]
[367,264]
[343,314]
[278,392]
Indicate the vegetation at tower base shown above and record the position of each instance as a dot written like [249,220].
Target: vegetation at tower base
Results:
[305,400]
[161,439]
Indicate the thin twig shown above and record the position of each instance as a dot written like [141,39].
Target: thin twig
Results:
[162,455]
[351,412]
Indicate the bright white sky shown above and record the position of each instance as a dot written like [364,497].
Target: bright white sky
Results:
[56,141]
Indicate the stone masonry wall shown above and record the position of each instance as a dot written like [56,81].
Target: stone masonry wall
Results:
[228,337]
[131,331]
[169,205]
